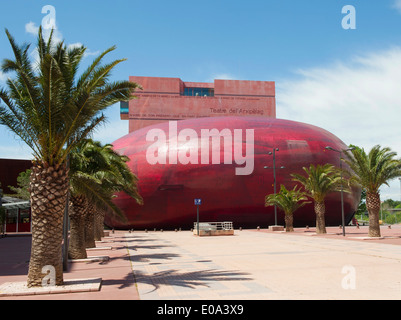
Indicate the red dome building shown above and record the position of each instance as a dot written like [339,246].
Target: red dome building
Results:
[173,171]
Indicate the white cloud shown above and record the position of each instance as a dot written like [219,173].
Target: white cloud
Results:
[224,76]
[87,53]
[31,28]
[75,45]
[397,5]
[3,77]
[358,100]
[220,76]
[16,152]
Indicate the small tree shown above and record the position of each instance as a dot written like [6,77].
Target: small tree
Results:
[319,181]
[289,201]
[23,180]
[371,170]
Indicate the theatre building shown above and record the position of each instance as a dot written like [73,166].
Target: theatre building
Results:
[169,189]
[165,99]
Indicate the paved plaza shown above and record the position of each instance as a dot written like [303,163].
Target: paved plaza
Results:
[260,265]
[251,264]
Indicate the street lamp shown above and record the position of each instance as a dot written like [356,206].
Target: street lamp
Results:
[274,179]
[341,172]
[400,184]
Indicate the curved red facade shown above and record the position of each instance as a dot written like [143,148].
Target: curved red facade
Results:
[169,190]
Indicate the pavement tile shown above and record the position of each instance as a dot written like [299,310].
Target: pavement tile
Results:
[241,268]
[117,283]
[249,265]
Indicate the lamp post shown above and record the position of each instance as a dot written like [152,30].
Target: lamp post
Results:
[66,225]
[341,172]
[400,184]
[274,179]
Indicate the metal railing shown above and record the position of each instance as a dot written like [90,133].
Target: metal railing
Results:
[213,226]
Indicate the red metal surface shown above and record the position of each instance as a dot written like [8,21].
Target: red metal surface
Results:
[11,228]
[19,220]
[226,196]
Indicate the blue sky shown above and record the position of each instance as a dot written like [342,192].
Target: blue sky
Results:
[345,81]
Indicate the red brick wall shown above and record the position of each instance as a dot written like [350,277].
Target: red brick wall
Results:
[161,100]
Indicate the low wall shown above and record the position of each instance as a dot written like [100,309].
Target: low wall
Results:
[203,233]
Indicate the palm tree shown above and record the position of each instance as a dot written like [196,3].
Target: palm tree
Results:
[97,172]
[319,181]
[371,171]
[118,178]
[289,201]
[76,213]
[52,109]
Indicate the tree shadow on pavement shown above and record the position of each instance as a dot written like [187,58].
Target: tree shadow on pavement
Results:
[148,257]
[127,281]
[193,279]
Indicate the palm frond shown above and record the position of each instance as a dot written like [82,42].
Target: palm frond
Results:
[287,200]
[320,180]
[52,106]
[373,169]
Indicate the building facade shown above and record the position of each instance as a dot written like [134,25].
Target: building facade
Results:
[165,99]
[222,109]
[169,188]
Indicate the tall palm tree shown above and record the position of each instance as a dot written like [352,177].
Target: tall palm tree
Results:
[319,181]
[76,212]
[97,172]
[289,201]
[372,170]
[118,178]
[52,109]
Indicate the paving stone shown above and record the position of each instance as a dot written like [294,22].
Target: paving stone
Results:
[69,286]
[263,265]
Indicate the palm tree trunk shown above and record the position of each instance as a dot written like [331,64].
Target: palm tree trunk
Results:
[99,224]
[77,249]
[48,188]
[320,219]
[373,207]
[89,226]
[289,222]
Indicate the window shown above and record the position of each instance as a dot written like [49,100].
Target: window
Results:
[24,216]
[199,92]
[12,215]
[124,107]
